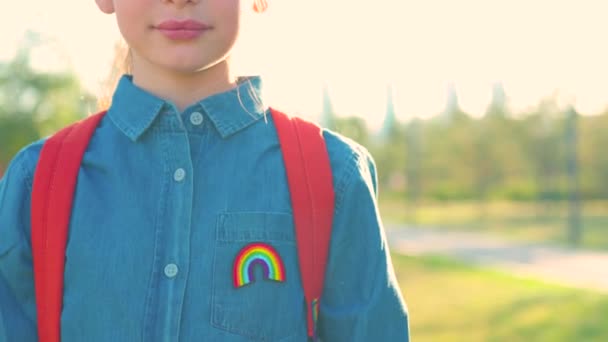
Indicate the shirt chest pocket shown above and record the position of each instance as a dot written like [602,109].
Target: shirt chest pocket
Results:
[257,291]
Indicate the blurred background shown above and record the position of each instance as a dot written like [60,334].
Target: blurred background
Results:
[487,120]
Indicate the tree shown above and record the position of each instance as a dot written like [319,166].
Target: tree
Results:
[574,212]
[353,127]
[389,147]
[35,103]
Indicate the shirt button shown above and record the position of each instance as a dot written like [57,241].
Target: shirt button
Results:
[171,270]
[196,118]
[179,175]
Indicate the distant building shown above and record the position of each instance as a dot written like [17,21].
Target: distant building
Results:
[452,106]
[328,114]
[389,126]
[498,105]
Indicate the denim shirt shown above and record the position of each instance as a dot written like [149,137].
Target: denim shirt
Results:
[164,203]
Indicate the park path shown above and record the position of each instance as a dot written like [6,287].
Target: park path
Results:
[570,267]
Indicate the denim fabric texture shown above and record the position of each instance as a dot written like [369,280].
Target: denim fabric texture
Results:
[164,202]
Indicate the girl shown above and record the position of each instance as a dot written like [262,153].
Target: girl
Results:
[185,169]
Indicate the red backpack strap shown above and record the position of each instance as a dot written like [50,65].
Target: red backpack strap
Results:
[312,196]
[52,194]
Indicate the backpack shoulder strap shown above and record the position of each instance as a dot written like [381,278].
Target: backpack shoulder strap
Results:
[312,195]
[52,194]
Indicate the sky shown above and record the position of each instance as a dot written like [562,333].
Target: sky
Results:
[535,48]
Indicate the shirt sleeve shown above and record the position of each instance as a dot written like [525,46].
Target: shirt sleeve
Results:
[17,301]
[361,298]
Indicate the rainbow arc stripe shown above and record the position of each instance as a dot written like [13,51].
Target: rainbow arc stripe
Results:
[254,254]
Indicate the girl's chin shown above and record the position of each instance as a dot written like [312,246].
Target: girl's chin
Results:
[185,67]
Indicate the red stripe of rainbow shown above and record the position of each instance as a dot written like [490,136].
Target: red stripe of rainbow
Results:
[253,254]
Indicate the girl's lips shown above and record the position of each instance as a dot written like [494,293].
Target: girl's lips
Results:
[182,25]
[182,29]
[181,34]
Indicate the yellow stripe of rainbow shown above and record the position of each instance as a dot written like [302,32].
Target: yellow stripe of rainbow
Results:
[257,253]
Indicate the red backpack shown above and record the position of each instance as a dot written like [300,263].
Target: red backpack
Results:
[310,185]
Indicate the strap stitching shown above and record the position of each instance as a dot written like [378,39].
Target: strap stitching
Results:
[310,195]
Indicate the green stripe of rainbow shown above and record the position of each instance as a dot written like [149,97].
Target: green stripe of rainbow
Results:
[253,254]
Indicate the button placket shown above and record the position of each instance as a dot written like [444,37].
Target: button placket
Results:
[171,262]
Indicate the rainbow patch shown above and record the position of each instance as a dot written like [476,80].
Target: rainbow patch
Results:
[261,254]
[315,311]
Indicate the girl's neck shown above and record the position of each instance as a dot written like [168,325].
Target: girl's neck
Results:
[183,89]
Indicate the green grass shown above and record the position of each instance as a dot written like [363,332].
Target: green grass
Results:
[451,301]
[521,221]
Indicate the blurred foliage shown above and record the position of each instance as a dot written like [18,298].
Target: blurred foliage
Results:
[35,103]
[547,156]
[455,156]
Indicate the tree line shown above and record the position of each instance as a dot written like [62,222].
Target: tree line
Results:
[545,153]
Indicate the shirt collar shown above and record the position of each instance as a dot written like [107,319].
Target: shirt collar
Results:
[236,109]
[133,109]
